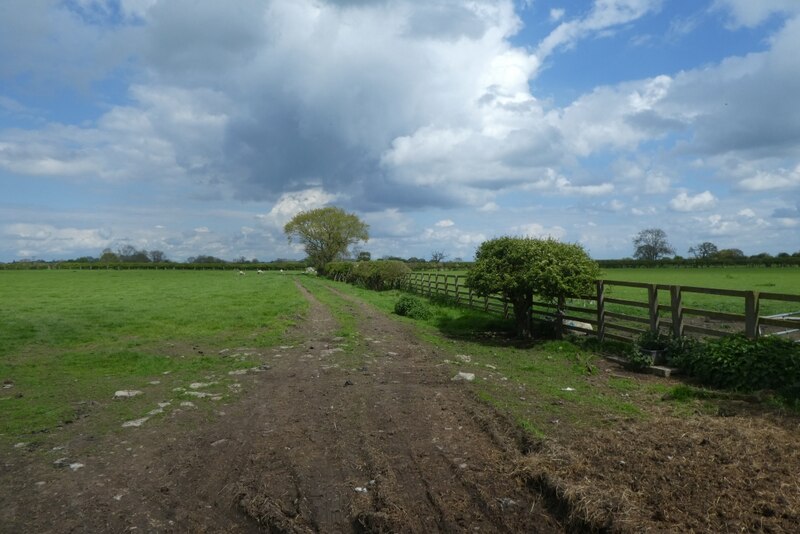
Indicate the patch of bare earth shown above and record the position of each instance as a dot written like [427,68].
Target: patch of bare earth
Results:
[391,446]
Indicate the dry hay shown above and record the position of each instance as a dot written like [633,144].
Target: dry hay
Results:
[699,474]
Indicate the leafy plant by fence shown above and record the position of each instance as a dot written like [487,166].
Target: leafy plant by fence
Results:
[613,318]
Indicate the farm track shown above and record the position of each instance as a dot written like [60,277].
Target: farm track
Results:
[391,446]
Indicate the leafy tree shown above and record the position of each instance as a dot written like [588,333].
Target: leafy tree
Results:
[704,251]
[327,233]
[651,244]
[109,256]
[204,259]
[521,267]
[730,254]
[364,256]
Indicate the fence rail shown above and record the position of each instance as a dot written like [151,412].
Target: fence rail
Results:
[611,318]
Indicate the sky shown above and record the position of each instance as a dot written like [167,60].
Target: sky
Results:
[199,127]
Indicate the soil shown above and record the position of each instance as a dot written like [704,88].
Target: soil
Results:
[397,446]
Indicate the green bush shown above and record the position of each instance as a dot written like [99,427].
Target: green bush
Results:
[412,307]
[380,275]
[341,271]
[743,364]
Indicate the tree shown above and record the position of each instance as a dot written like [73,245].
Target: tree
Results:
[327,233]
[438,256]
[730,254]
[364,256]
[108,256]
[704,251]
[651,244]
[157,256]
[521,267]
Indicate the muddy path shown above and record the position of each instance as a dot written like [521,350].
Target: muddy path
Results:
[317,443]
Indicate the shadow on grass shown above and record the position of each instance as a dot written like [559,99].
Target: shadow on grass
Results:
[465,324]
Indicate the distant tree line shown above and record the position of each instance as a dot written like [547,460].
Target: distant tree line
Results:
[652,249]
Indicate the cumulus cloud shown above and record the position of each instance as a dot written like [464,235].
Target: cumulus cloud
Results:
[537,230]
[699,202]
[768,180]
[38,240]
[290,204]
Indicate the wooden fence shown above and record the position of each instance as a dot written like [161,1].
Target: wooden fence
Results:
[623,319]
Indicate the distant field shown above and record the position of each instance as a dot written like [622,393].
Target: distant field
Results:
[771,279]
[762,279]
[70,339]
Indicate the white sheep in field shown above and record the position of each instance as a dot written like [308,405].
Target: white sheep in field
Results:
[241,273]
[260,271]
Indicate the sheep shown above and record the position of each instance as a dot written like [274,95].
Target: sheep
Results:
[260,271]
[241,273]
[578,324]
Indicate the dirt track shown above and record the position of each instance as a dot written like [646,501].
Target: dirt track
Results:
[394,446]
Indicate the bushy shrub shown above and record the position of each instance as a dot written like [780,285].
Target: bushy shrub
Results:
[739,363]
[341,271]
[379,275]
[412,307]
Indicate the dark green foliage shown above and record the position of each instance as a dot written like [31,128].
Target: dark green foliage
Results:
[377,275]
[341,271]
[380,275]
[412,307]
[743,364]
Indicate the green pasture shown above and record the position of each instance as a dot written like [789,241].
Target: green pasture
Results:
[761,279]
[70,339]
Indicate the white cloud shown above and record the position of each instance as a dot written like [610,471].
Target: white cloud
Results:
[769,180]
[605,14]
[44,240]
[556,14]
[290,204]
[747,212]
[445,223]
[537,230]
[685,202]
[753,12]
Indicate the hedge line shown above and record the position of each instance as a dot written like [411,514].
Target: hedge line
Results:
[377,275]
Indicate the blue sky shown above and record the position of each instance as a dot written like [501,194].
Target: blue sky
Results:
[201,127]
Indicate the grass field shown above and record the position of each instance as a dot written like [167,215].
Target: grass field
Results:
[69,340]
[762,279]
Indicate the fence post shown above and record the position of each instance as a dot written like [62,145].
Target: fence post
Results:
[677,310]
[652,306]
[751,309]
[469,296]
[601,310]
[560,317]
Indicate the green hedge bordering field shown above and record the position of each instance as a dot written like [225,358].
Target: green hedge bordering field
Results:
[378,275]
[738,363]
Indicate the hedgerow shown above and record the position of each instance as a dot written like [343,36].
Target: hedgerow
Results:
[378,275]
[742,364]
